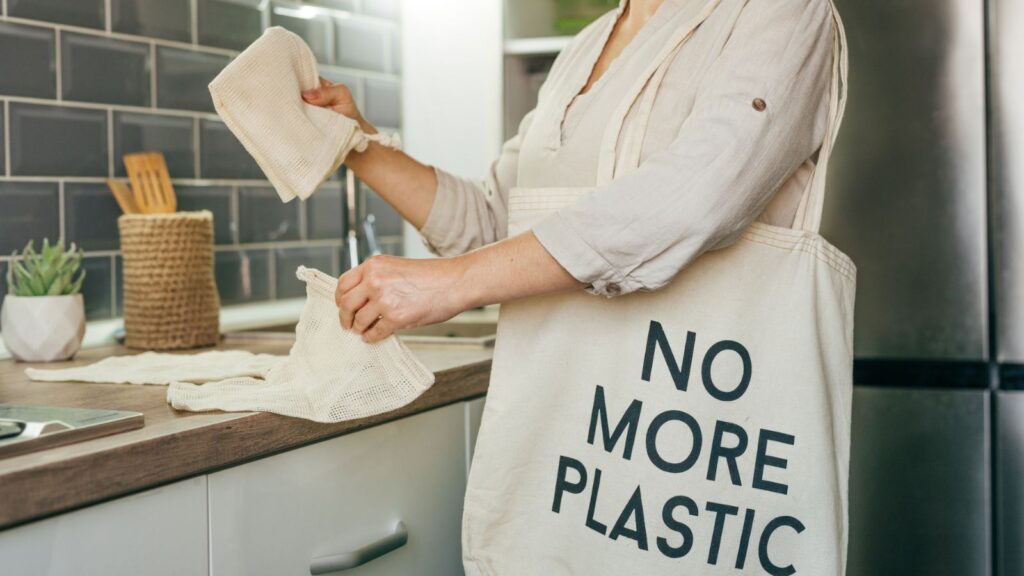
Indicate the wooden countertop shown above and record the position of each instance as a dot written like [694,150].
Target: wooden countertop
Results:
[175,445]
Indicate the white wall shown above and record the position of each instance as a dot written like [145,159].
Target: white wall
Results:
[451,87]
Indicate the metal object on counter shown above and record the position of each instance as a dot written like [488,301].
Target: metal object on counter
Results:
[25,429]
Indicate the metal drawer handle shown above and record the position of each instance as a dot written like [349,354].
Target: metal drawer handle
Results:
[338,562]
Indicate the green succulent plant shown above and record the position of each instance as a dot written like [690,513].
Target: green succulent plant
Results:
[53,271]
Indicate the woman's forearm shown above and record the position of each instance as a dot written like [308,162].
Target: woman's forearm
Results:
[408,185]
[515,268]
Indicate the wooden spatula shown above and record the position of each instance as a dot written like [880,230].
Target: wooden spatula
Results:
[151,184]
[124,197]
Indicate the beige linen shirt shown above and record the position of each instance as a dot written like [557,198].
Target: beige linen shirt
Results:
[735,127]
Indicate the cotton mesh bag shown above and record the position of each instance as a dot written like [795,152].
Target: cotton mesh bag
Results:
[259,97]
[330,375]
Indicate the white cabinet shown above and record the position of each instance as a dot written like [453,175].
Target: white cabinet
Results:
[274,516]
[158,532]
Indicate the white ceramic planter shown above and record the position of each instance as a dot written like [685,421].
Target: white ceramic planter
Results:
[42,328]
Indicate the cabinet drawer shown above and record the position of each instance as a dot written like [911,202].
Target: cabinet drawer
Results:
[158,532]
[274,516]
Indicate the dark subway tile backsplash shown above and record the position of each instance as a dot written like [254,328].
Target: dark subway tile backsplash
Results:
[325,214]
[96,289]
[91,216]
[288,261]
[383,102]
[363,44]
[264,218]
[174,136]
[315,29]
[84,82]
[104,70]
[28,61]
[28,211]
[57,141]
[242,276]
[388,222]
[232,24]
[223,156]
[216,199]
[183,77]
[85,13]
[3,282]
[167,19]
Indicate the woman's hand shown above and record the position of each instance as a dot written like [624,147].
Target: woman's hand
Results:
[387,293]
[339,98]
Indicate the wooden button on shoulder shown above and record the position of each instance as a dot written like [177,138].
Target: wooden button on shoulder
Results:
[759,104]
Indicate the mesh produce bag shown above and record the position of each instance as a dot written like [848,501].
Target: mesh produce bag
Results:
[170,298]
[330,375]
[258,95]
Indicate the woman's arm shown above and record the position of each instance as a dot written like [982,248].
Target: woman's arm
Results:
[405,183]
[454,215]
[386,293]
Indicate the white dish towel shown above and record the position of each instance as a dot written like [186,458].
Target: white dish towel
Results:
[162,369]
[297,145]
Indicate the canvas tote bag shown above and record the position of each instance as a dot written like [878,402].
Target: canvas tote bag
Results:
[701,429]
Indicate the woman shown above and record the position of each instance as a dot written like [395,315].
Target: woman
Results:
[724,106]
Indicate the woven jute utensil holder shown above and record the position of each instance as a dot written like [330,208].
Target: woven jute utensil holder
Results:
[170,296]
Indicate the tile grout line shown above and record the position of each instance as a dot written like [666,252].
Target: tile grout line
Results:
[113,285]
[284,245]
[187,46]
[7,137]
[116,107]
[122,36]
[58,59]
[110,143]
[196,151]
[182,181]
[272,273]
[193,20]
[152,75]
[61,210]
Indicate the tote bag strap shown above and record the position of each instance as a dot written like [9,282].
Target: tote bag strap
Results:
[808,215]
[608,164]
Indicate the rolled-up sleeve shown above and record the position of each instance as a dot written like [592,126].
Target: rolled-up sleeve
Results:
[468,214]
[760,113]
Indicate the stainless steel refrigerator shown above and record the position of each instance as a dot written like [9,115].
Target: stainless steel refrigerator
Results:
[1006,87]
[908,201]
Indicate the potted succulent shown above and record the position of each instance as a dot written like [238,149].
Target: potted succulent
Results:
[43,317]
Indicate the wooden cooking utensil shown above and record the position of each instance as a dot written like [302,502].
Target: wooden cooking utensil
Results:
[151,184]
[123,195]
